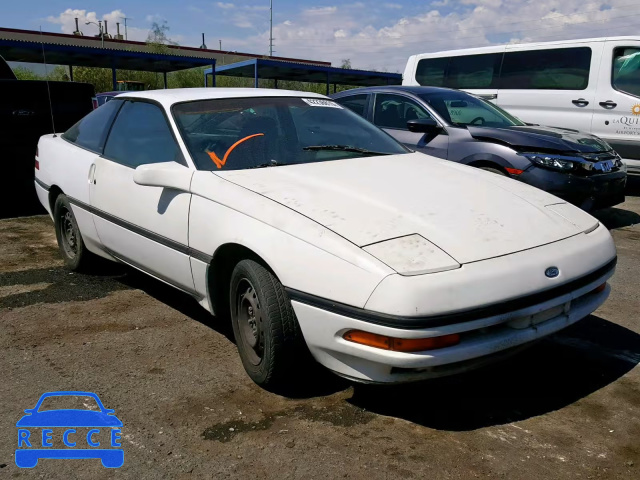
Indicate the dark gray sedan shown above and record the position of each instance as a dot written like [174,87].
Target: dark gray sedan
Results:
[451,124]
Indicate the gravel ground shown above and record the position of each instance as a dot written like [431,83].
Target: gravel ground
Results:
[567,408]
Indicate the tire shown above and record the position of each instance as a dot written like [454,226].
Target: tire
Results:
[72,248]
[265,327]
[494,170]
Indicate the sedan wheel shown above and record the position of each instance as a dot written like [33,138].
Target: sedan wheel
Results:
[75,254]
[265,327]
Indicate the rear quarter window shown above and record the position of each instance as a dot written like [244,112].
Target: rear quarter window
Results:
[91,132]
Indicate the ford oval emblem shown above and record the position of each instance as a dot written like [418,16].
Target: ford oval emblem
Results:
[552,272]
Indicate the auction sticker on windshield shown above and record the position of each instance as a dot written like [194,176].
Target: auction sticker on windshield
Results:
[82,429]
[319,102]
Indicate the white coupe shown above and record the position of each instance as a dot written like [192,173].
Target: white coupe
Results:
[316,233]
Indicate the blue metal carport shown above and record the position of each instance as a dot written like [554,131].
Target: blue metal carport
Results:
[279,70]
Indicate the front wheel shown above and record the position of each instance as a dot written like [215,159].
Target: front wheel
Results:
[265,327]
[74,252]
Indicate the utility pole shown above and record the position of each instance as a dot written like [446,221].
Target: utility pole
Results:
[271,28]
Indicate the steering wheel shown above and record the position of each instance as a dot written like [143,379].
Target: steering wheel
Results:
[480,121]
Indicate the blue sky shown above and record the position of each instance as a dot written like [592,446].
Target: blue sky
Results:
[373,34]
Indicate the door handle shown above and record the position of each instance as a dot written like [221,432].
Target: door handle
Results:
[488,96]
[581,102]
[608,104]
[92,174]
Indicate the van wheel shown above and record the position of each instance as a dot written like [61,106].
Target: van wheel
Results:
[494,170]
[74,252]
[265,327]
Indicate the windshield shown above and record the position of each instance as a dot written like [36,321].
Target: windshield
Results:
[240,133]
[461,109]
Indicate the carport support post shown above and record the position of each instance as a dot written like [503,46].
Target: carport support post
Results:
[71,73]
[213,75]
[164,76]
[275,83]
[255,74]
[328,83]
[114,78]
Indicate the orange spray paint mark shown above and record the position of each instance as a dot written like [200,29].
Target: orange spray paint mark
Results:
[220,163]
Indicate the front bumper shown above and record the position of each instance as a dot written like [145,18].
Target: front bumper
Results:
[496,305]
[482,341]
[587,192]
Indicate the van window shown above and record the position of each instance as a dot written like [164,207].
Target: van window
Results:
[626,70]
[474,71]
[430,71]
[555,69]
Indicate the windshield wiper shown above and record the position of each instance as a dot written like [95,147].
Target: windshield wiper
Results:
[272,163]
[344,148]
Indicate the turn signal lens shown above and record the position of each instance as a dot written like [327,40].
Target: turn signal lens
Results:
[514,171]
[600,288]
[401,344]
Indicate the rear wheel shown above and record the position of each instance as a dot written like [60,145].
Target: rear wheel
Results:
[74,252]
[265,327]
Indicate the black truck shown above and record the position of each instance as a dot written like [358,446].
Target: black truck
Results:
[29,109]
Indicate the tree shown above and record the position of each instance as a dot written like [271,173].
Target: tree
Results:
[346,63]
[158,39]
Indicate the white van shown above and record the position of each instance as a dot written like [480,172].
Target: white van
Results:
[591,85]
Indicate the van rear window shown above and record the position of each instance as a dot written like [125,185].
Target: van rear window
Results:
[549,69]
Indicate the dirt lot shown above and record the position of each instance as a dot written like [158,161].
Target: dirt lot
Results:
[567,408]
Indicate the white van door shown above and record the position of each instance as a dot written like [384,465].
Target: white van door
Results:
[616,117]
[551,86]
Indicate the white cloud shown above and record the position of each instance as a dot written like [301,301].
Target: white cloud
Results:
[336,32]
[395,6]
[225,6]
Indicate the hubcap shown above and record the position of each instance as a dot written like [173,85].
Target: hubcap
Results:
[249,316]
[69,236]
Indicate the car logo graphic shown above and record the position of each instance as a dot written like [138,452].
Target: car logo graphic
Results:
[36,434]
[552,272]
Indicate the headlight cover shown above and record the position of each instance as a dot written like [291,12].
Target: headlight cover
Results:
[551,160]
[412,255]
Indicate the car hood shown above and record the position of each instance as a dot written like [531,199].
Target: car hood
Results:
[538,138]
[469,213]
[69,418]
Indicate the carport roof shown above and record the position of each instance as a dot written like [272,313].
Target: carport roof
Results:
[62,49]
[285,70]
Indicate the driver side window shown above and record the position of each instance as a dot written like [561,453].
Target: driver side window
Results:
[394,111]
[141,135]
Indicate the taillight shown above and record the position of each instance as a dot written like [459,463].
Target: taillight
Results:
[94,100]
[37,162]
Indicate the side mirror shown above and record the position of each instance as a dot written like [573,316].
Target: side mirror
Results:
[424,125]
[167,175]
